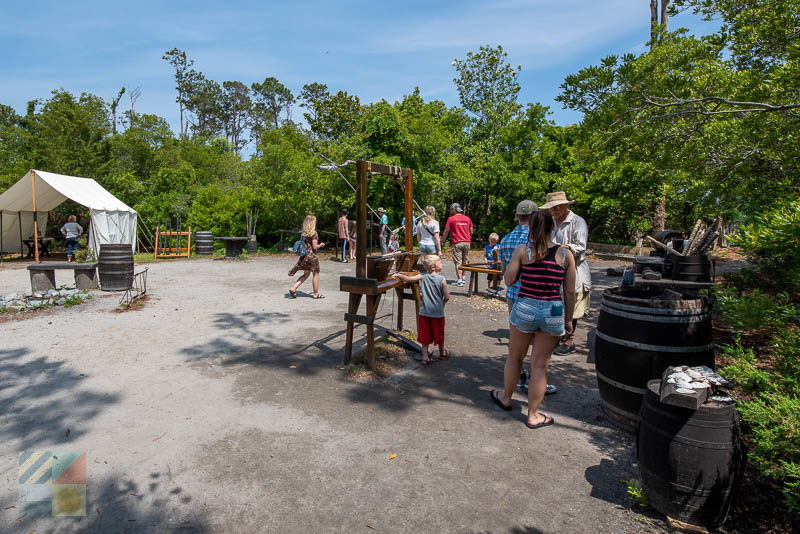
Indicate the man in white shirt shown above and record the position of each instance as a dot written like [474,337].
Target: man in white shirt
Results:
[571,231]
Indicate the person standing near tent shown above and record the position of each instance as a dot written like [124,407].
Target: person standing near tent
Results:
[72,231]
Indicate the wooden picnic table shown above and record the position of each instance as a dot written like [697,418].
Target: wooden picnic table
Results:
[233,245]
[44,243]
[475,269]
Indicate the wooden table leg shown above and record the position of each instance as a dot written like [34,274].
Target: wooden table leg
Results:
[417,297]
[400,297]
[355,300]
[372,307]
[471,283]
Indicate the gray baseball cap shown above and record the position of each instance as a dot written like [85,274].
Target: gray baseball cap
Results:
[456,206]
[526,207]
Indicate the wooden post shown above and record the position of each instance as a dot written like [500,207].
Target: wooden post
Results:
[1,236]
[355,300]
[362,174]
[372,308]
[400,290]
[155,250]
[19,221]
[409,210]
[35,222]
[189,244]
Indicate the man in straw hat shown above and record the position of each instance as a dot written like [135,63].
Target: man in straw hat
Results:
[571,231]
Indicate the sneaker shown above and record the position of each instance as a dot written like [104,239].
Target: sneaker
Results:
[523,381]
[550,389]
[564,349]
[460,283]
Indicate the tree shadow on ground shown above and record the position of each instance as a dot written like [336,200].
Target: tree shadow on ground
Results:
[43,401]
[117,504]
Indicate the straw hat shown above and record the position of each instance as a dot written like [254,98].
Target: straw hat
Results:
[555,199]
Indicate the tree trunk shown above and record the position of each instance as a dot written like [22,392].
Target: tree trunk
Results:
[664,15]
[660,222]
[653,21]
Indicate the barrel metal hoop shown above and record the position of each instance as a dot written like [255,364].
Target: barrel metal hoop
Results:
[655,319]
[653,348]
[619,411]
[688,490]
[620,385]
[687,441]
[655,311]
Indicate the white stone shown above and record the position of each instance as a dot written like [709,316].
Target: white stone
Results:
[685,391]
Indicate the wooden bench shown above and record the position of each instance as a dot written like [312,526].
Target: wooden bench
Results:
[477,268]
[43,275]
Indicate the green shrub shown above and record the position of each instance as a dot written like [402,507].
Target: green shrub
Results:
[763,306]
[773,422]
[72,300]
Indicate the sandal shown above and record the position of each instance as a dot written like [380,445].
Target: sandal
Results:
[292,294]
[318,296]
[497,401]
[425,362]
[444,355]
[546,422]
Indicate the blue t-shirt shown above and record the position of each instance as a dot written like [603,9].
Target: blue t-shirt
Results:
[385,219]
[517,236]
[489,254]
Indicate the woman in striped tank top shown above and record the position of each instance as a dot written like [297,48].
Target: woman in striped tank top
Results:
[544,270]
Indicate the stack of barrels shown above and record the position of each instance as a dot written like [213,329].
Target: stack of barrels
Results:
[690,461]
[115,266]
[640,332]
[204,243]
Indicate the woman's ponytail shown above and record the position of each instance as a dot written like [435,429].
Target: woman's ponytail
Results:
[540,227]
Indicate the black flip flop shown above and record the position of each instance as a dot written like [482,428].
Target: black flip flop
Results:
[497,401]
[547,422]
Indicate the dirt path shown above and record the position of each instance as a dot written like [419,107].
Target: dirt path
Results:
[220,407]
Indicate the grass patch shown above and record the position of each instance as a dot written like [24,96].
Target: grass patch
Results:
[72,300]
[390,357]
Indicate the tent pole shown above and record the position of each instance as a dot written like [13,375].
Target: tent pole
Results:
[1,236]
[35,223]
[19,218]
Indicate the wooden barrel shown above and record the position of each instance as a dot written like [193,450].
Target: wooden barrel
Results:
[252,246]
[690,461]
[204,243]
[694,268]
[638,335]
[115,267]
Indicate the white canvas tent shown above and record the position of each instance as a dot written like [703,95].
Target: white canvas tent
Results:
[112,221]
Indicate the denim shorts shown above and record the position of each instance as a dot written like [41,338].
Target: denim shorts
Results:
[427,249]
[531,316]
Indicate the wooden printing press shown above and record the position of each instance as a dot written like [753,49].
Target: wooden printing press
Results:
[371,280]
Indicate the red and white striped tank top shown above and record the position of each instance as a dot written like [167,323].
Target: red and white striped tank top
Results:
[542,280]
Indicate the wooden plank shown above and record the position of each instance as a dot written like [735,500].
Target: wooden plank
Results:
[410,343]
[361,319]
[352,307]
[362,176]
[400,291]
[388,170]
[409,190]
[483,270]
[372,307]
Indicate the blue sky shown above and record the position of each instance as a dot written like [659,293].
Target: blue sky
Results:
[372,49]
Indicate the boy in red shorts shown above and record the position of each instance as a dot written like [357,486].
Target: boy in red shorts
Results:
[430,321]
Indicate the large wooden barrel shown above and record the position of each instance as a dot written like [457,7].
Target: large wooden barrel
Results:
[204,243]
[690,461]
[638,335]
[115,267]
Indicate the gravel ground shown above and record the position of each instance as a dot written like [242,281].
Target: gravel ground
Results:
[220,406]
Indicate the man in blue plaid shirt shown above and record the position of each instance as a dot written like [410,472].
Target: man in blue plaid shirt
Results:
[519,236]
